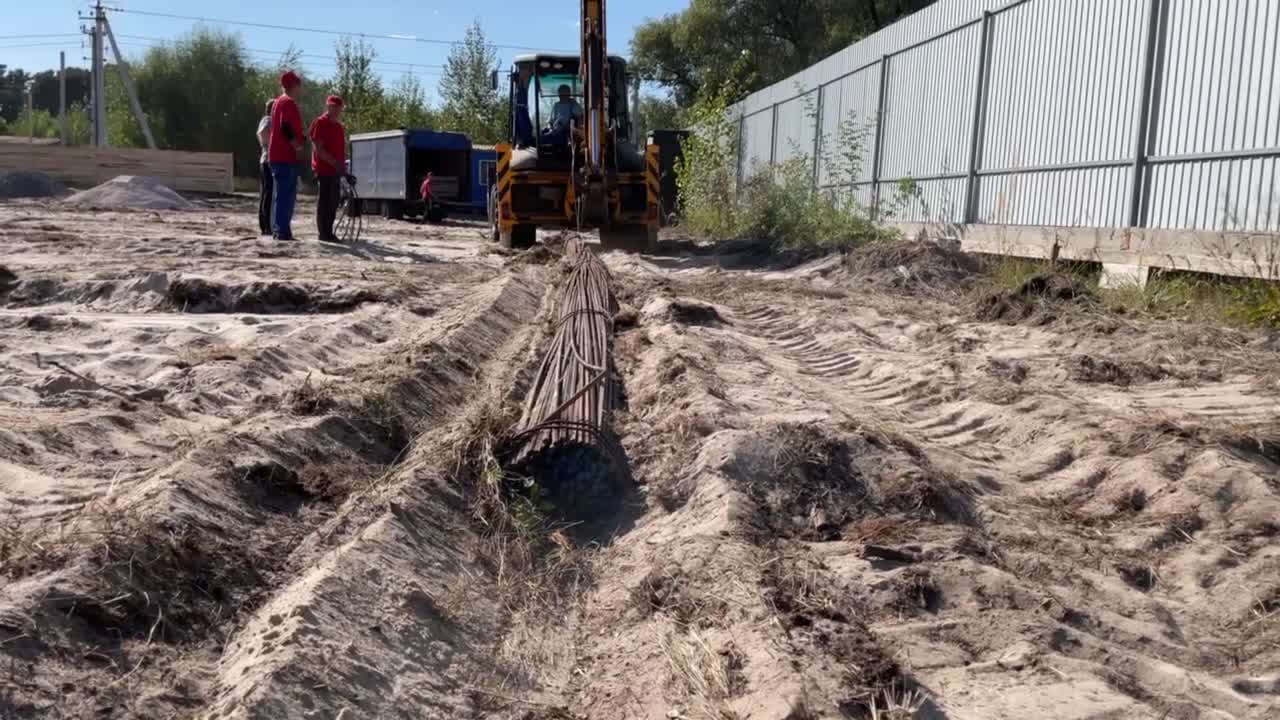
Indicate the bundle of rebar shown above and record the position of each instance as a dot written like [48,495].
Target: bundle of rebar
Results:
[573,396]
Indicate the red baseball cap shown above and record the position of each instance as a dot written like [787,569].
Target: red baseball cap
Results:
[290,79]
[334,100]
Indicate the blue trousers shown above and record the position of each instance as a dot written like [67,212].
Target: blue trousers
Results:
[285,176]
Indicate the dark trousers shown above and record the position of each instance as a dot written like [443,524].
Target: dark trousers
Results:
[265,185]
[327,206]
[283,198]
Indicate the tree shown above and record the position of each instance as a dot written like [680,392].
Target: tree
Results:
[657,113]
[359,85]
[13,93]
[471,105]
[45,91]
[750,44]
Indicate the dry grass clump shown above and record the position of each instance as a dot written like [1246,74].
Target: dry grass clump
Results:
[704,678]
[310,398]
[197,354]
[142,578]
[671,592]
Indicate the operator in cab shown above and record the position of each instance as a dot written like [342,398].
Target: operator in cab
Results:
[565,112]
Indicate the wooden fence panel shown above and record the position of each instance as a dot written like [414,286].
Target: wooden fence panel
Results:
[86,167]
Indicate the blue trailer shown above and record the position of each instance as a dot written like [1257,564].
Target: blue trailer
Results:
[389,167]
[484,170]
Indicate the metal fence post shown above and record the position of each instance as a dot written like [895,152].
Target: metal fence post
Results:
[1145,127]
[740,150]
[879,147]
[978,138]
[817,141]
[773,135]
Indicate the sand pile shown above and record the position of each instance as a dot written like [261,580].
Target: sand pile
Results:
[28,184]
[131,191]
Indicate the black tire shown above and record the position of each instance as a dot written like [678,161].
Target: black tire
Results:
[520,237]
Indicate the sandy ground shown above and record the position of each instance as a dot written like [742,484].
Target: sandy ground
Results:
[241,479]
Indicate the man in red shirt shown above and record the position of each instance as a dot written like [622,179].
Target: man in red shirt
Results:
[427,197]
[329,161]
[283,152]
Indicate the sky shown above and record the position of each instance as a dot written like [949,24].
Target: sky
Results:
[542,24]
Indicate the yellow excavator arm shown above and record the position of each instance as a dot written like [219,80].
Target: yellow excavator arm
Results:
[594,72]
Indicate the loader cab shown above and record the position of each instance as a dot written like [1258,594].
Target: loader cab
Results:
[536,83]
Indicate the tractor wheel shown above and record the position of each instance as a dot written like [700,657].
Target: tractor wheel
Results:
[520,237]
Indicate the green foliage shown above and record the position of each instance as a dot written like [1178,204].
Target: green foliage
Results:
[779,204]
[752,43]
[707,174]
[359,85]
[1181,295]
[471,105]
[656,113]
[45,125]
[13,92]
[45,89]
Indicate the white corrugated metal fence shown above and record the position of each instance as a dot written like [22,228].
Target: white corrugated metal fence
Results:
[1113,113]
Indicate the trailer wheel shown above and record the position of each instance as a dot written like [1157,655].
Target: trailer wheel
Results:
[520,237]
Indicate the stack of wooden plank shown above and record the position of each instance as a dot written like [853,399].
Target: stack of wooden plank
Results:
[85,167]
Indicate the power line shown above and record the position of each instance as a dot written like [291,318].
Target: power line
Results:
[44,35]
[39,44]
[427,73]
[281,53]
[292,28]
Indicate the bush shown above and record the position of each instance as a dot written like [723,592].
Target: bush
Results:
[778,204]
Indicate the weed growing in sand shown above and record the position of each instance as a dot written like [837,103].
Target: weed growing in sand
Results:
[535,573]
[778,204]
[895,703]
[1171,294]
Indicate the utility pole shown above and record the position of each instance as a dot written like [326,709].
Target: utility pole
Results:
[31,116]
[123,67]
[62,98]
[99,77]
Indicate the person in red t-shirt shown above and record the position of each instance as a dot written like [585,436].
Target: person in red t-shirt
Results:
[329,161]
[427,196]
[283,150]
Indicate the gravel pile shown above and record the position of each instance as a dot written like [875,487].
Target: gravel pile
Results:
[28,184]
[131,192]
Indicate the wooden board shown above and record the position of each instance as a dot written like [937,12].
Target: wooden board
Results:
[85,167]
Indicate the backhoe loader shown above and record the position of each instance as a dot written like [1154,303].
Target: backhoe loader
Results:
[574,158]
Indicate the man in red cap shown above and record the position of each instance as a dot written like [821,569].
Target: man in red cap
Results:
[329,161]
[283,153]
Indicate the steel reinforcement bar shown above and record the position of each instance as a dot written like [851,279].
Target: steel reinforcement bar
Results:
[573,397]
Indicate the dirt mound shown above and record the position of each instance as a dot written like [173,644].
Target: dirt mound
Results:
[1034,300]
[131,192]
[29,184]
[681,311]
[202,295]
[917,265]
[1088,369]
[536,255]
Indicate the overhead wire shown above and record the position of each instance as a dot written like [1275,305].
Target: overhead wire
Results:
[282,53]
[321,31]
